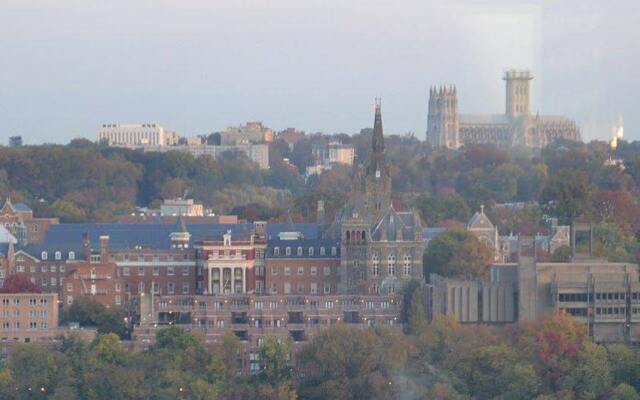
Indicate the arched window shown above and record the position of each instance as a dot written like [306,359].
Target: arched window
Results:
[287,251]
[299,251]
[375,288]
[348,235]
[276,251]
[310,251]
[363,236]
[391,265]
[375,265]
[43,255]
[72,255]
[58,255]
[322,251]
[407,265]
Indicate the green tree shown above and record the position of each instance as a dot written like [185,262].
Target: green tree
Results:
[567,195]
[456,253]
[562,254]
[624,392]
[592,375]
[414,311]
[436,209]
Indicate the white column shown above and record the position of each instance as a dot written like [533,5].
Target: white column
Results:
[210,282]
[244,279]
[221,280]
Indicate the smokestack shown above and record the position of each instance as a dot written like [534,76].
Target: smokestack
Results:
[86,247]
[104,248]
[320,212]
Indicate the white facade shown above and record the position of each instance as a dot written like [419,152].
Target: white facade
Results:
[258,153]
[184,207]
[135,135]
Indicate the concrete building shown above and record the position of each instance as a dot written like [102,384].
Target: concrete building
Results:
[251,132]
[516,127]
[133,135]
[333,153]
[604,296]
[181,207]
[28,317]
[258,153]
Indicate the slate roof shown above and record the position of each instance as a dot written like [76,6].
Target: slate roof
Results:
[305,244]
[68,237]
[22,207]
[393,222]
[4,249]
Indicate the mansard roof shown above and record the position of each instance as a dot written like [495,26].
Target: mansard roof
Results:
[305,244]
[22,207]
[394,222]
[68,237]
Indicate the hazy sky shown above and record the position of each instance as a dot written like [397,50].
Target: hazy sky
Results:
[198,66]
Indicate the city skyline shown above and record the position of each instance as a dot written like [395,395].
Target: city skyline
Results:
[72,67]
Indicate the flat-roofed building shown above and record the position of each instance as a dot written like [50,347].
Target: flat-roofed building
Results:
[131,135]
[28,317]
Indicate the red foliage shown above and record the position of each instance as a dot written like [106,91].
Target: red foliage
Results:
[19,283]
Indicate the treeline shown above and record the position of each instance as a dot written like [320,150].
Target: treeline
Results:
[552,359]
[83,181]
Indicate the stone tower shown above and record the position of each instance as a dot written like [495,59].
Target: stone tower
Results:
[442,121]
[518,98]
[377,180]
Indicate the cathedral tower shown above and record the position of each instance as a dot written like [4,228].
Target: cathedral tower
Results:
[442,121]
[518,101]
[377,180]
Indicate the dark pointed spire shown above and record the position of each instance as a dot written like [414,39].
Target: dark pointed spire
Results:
[378,138]
[180,225]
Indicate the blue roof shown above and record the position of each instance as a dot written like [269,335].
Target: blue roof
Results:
[22,207]
[4,249]
[122,236]
[305,244]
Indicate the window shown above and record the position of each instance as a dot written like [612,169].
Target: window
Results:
[170,271]
[185,288]
[140,271]
[287,270]
[322,251]
[299,251]
[118,287]
[54,281]
[141,287]
[314,271]
[327,271]
[69,287]
[276,251]
[310,251]
[327,288]
[375,265]
[156,271]
[72,255]
[185,271]
[156,288]
[53,268]
[287,288]
[314,288]
[300,270]
[32,269]
[43,255]
[58,255]
[125,271]
[274,270]
[62,268]
[334,251]
[118,300]
[391,265]
[69,299]
[287,251]
[43,281]
[407,265]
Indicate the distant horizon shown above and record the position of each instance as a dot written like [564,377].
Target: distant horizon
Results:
[199,67]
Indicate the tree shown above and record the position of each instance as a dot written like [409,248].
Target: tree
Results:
[624,392]
[456,253]
[503,181]
[175,338]
[567,195]
[19,283]
[592,375]
[436,209]
[562,254]
[89,312]
[414,311]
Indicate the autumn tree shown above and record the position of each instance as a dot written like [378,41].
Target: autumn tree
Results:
[456,253]
[19,283]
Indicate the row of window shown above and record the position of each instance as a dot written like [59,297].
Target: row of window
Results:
[583,297]
[300,251]
[32,301]
[313,288]
[169,271]
[32,313]
[407,265]
[6,325]
[43,268]
[58,255]
[313,270]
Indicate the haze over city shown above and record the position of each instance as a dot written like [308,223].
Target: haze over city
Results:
[197,66]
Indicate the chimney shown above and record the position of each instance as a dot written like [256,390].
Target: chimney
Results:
[320,212]
[104,248]
[86,247]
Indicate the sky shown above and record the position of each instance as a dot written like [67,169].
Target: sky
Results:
[198,66]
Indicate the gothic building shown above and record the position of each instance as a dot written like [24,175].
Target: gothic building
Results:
[516,127]
[381,248]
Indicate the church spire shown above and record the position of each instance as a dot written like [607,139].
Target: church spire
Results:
[378,137]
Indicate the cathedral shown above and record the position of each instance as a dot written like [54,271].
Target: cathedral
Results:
[381,248]
[517,127]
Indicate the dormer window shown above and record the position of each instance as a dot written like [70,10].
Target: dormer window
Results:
[334,251]
[322,251]
[299,252]
[310,251]
[43,255]
[276,251]
[58,255]
[377,173]
[287,251]
[72,255]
